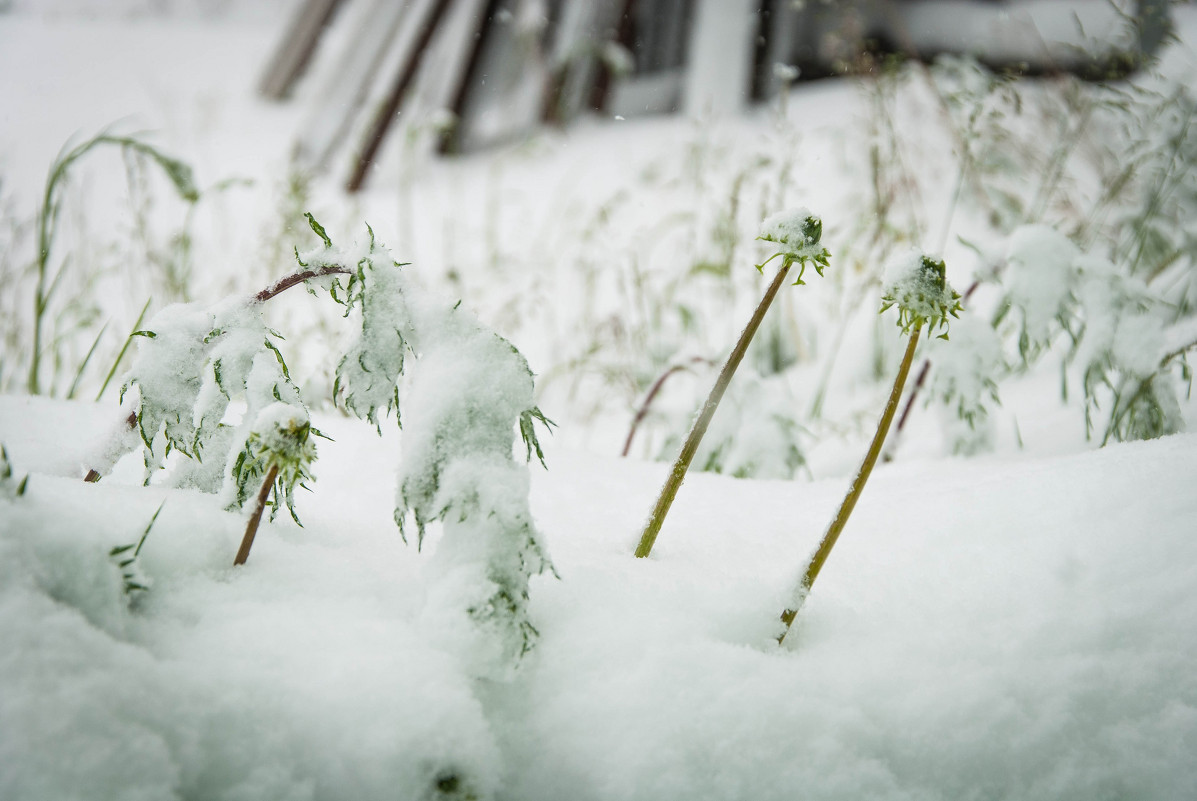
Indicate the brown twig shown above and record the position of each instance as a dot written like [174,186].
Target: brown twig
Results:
[251,528]
[642,412]
[298,278]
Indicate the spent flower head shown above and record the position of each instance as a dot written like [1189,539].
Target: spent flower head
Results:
[282,437]
[917,284]
[798,234]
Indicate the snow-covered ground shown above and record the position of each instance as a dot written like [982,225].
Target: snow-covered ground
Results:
[1017,624]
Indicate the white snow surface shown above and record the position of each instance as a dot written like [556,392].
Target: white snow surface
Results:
[990,628]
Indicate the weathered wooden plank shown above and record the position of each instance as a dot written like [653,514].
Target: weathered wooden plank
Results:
[294,51]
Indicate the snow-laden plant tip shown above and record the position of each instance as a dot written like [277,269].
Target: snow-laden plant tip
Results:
[468,394]
[917,284]
[798,233]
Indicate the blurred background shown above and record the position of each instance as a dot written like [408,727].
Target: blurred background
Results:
[589,178]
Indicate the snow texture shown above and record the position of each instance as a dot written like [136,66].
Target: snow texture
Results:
[1039,278]
[1032,641]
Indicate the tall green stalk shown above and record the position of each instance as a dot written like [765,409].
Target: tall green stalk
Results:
[798,233]
[699,429]
[47,223]
[918,286]
[858,485]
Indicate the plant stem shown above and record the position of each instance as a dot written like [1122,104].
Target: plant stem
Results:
[642,412]
[858,485]
[251,528]
[674,482]
[296,279]
[922,376]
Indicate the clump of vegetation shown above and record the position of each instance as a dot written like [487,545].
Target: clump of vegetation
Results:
[278,457]
[48,277]
[469,394]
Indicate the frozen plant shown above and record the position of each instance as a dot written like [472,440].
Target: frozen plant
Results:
[917,284]
[1122,355]
[1040,281]
[964,380]
[1116,327]
[798,236]
[194,362]
[468,393]
[278,456]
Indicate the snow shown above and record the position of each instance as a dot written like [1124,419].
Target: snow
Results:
[1029,638]
[1040,276]
[797,231]
[1014,624]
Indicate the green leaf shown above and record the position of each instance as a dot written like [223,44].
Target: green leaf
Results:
[318,229]
[282,363]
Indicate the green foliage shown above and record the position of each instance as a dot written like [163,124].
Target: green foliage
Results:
[799,235]
[230,351]
[282,437]
[921,292]
[9,487]
[47,282]
[125,558]
[367,375]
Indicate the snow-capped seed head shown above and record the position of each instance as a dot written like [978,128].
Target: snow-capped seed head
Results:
[917,284]
[281,437]
[282,430]
[798,233]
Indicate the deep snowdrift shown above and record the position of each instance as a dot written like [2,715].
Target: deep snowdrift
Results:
[987,629]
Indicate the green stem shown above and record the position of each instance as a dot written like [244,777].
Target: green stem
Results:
[674,482]
[858,485]
[124,349]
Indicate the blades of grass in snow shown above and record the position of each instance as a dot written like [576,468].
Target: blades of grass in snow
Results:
[124,348]
[177,172]
[9,487]
[86,359]
[125,558]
